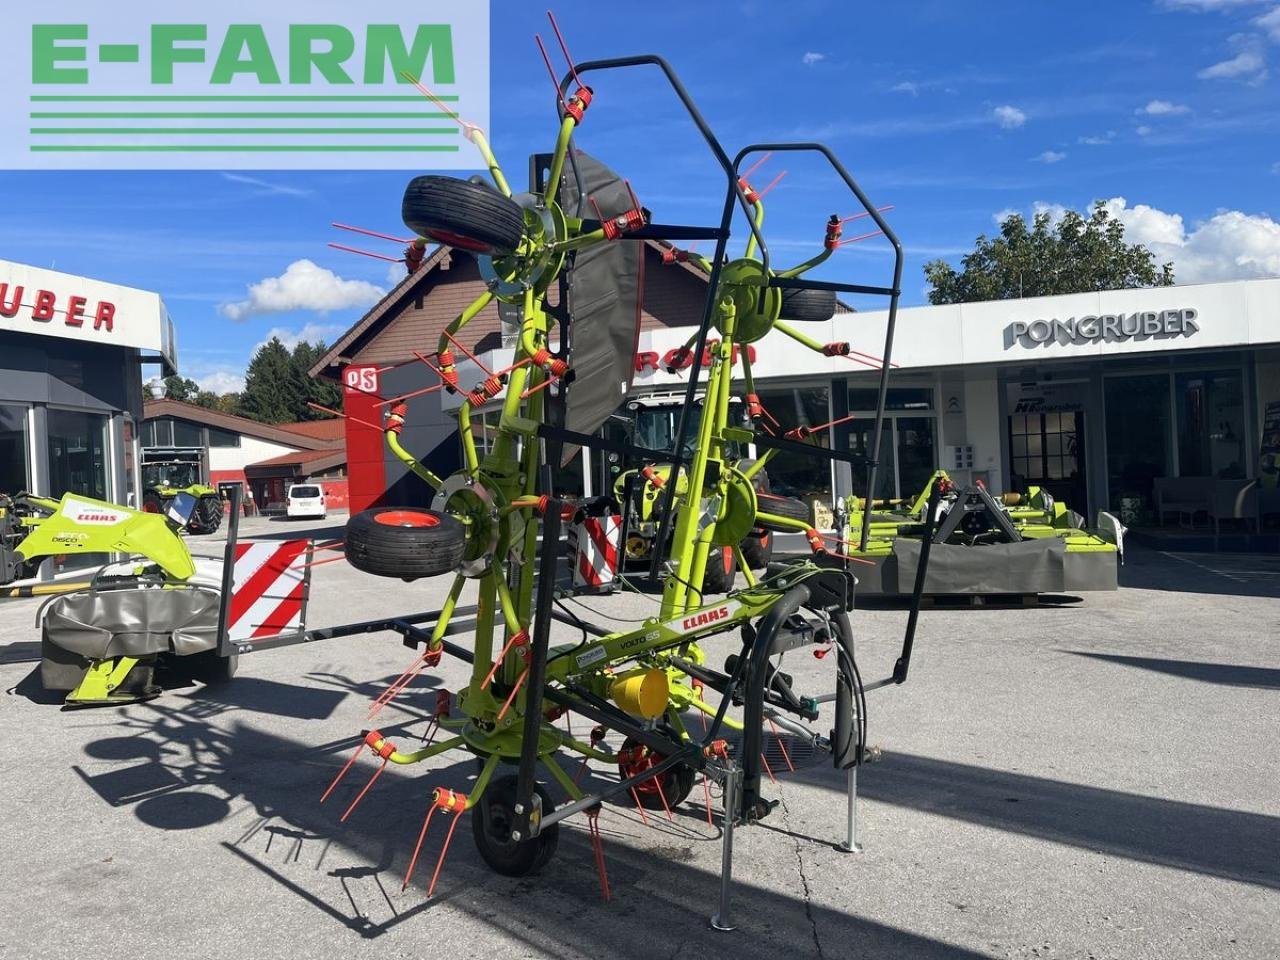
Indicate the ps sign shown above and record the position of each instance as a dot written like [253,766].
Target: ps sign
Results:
[361,380]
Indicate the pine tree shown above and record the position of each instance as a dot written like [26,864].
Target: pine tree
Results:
[274,390]
[323,392]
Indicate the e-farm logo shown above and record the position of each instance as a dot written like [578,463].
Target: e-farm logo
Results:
[149,84]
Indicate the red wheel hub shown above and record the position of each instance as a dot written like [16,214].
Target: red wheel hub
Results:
[455,240]
[406,518]
[637,760]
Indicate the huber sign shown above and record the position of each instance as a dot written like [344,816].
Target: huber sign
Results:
[46,303]
[42,306]
[1106,328]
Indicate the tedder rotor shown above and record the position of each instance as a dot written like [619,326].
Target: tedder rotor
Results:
[489,518]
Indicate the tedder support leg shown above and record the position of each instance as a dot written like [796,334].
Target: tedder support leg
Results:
[732,776]
[850,843]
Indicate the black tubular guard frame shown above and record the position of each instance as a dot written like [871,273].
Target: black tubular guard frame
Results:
[845,741]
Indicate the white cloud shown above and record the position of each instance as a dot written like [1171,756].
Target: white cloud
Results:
[1162,108]
[265,188]
[1009,117]
[1056,211]
[1000,216]
[1201,5]
[906,86]
[810,58]
[1269,23]
[1249,65]
[303,286]
[1275,168]
[221,381]
[1142,131]
[1230,245]
[1098,140]
[311,333]
[1051,156]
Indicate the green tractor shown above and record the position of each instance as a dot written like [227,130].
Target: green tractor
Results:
[638,486]
[168,472]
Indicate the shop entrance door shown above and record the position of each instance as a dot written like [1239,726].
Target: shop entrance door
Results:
[1047,450]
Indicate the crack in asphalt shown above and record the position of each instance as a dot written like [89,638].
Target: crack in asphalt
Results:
[804,880]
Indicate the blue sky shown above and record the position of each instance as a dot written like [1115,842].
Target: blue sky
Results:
[950,111]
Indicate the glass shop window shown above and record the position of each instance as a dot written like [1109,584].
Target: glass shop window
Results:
[15,472]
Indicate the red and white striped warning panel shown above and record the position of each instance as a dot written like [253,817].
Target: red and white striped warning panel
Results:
[597,541]
[268,590]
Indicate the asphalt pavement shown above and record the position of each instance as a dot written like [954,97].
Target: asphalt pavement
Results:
[1085,779]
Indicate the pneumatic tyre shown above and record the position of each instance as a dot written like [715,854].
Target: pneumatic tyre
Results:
[721,571]
[808,304]
[492,820]
[208,667]
[662,792]
[757,549]
[461,214]
[207,517]
[404,542]
[787,507]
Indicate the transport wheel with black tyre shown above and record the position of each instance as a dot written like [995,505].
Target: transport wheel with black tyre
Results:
[788,507]
[209,668]
[757,549]
[461,214]
[721,571]
[207,517]
[808,304]
[494,818]
[673,785]
[404,542]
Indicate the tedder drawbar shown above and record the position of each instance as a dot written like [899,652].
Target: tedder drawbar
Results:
[490,516]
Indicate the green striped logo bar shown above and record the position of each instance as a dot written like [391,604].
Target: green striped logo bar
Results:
[316,85]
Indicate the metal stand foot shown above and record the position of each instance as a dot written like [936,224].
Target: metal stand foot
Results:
[850,843]
[732,799]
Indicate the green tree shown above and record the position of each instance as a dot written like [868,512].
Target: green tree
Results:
[274,390]
[1076,255]
[180,388]
[324,392]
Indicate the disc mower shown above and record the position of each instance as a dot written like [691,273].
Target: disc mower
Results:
[486,522]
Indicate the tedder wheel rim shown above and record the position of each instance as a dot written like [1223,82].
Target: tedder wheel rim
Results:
[666,789]
[493,819]
[406,518]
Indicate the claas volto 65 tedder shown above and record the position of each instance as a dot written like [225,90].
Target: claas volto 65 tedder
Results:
[489,516]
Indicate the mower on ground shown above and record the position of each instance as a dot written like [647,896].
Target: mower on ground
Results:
[1013,544]
[155,607]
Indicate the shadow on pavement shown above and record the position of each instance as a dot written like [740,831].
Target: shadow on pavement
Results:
[1236,575]
[177,771]
[1226,674]
[1213,841]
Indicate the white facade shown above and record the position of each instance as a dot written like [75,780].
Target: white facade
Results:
[1171,381]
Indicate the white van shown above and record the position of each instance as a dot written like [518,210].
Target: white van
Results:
[306,500]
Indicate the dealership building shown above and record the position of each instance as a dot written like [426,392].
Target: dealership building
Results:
[72,357]
[1100,397]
